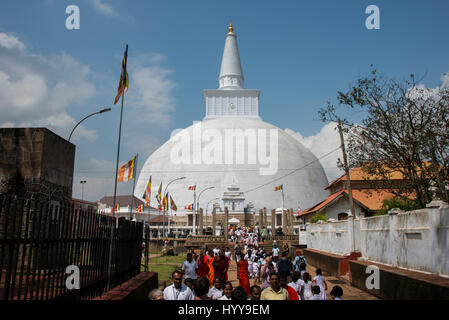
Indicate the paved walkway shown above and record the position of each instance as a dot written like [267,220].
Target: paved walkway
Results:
[349,292]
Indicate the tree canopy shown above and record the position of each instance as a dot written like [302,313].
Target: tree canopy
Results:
[405,129]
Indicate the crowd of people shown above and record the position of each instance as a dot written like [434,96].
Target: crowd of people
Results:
[275,275]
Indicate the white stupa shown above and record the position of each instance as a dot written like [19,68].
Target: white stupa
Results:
[233,146]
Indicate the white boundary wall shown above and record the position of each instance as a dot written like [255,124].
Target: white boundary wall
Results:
[417,240]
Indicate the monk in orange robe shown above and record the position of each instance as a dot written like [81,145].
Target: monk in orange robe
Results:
[203,267]
[211,271]
[243,274]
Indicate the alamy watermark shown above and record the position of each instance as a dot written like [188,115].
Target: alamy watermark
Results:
[72,22]
[373,20]
[73,280]
[227,146]
[373,280]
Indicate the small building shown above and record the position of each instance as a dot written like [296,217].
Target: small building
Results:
[127,207]
[367,193]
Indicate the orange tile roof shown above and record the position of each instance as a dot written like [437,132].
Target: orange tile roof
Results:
[357,174]
[368,198]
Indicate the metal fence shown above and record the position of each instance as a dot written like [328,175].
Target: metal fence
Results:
[40,239]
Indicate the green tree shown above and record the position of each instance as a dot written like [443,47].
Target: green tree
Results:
[317,217]
[405,204]
[405,129]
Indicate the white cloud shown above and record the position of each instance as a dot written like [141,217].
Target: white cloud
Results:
[11,42]
[323,142]
[151,91]
[37,90]
[104,8]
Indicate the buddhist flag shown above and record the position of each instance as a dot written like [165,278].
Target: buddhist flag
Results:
[126,171]
[299,209]
[147,194]
[278,188]
[140,208]
[188,207]
[192,188]
[159,194]
[124,80]
[117,207]
[173,205]
[165,202]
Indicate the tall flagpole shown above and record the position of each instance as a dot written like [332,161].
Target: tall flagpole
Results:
[116,172]
[282,189]
[194,211]
[134,186]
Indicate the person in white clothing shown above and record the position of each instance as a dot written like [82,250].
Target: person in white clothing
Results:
[216,291]
[275,252]
[178,290]
[307,287]
[256,271]
[336,293]
[228,254]
[295,284]
[227,291]
[321,282]
[316,293]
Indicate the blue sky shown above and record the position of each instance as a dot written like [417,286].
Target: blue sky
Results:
[298,53]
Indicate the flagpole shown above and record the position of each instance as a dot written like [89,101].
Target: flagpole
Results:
[134,186]
[194,211]
[282,189]
[168,222]
[115,177]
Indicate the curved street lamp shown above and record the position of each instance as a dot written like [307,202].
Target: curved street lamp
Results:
[207,206]
[166,187]
[198,202]
[90,115]
[83,182]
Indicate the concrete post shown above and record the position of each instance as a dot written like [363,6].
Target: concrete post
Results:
[200,224]
[351,239]
[284,221]
[260,219]
[273,222]
[225,223]
[439,257]
[394,236]
[264,222]
[290,221]
[214,222]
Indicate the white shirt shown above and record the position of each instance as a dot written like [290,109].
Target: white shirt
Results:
[214,293]
[216,251]
[184,293]
[276,252]
[224,298]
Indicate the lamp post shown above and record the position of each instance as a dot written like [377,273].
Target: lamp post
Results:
[166,187]
[198,202]
[207,206]
[83,182]
[90,115]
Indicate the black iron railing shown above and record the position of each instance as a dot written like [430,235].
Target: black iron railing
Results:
[40,239]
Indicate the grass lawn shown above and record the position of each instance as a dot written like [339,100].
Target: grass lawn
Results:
[164,266]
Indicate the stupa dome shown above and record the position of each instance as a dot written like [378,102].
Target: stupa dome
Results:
[234,146]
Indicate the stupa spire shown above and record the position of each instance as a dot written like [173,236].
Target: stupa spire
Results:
[231,75]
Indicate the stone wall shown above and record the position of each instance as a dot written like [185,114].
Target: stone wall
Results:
[417,240]
[395,283]
[38,159]
[332,236]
